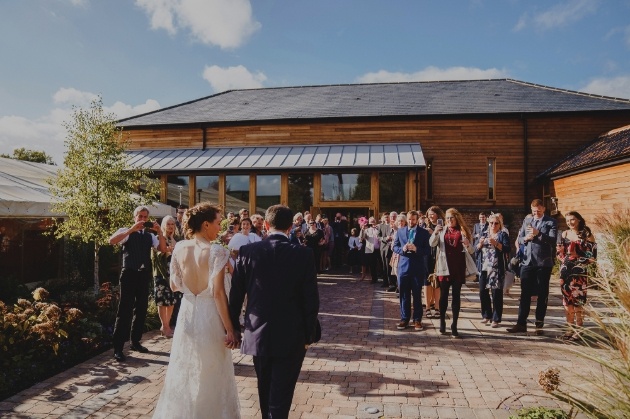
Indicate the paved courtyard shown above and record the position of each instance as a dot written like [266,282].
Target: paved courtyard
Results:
[362,368]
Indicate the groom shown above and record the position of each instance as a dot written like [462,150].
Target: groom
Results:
[280,281]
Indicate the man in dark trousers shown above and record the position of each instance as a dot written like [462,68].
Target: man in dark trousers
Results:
[538,234]
[280,282]
[135,277]
[412,244]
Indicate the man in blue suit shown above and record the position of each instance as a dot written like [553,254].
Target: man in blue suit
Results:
[538,234]
[412,244]
[280,281]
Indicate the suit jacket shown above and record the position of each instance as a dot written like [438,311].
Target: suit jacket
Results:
[384,230]
[280,281]
[412,263]
[541,251]
[479,231]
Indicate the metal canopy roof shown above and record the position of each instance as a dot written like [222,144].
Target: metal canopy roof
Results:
[285,157]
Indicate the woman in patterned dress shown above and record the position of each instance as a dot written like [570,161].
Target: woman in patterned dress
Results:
[576,251]
[494,245]
[165,298]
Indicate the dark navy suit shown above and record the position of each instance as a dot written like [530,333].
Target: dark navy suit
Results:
[412,270]
[280,281]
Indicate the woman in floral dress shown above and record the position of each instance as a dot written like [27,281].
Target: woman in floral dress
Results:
[576,251]
[165,298]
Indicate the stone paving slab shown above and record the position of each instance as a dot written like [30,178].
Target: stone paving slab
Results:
[362,368]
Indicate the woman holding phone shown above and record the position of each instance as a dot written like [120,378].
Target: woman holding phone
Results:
[451,241]
[435,217]
[576,251]
[492,248]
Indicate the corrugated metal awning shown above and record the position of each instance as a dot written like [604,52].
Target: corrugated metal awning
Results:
[408,155]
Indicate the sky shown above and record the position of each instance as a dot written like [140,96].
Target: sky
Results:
[143,55]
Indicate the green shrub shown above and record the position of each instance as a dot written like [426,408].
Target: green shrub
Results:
[540,413]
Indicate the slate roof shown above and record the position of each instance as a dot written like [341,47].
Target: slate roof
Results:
[470,97]
[608,148]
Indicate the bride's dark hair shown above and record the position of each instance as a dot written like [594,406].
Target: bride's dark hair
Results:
[194,217]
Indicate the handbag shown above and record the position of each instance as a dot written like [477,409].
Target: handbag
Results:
[471,267]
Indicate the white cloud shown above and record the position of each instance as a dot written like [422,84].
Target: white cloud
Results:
[47,133]
[614,87]
[73,97]
[225,23]
[433,74]
[239,77]
[559,15]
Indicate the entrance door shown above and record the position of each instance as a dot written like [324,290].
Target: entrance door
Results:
[352,214]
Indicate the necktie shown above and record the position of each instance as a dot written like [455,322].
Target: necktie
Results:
[412,234]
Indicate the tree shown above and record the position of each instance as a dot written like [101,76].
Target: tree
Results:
[30,155]
[94,189]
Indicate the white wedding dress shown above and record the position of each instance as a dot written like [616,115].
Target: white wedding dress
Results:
[200,379]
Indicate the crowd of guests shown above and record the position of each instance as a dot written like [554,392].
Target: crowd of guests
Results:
[417,255]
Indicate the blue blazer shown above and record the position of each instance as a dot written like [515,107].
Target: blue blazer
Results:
[412,263]
[280,282]
[541,251]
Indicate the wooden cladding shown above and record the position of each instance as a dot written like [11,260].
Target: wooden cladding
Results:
[459,149]
[594,193]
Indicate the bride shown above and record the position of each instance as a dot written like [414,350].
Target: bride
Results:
[200,379]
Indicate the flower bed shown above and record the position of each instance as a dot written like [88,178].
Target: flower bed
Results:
[39,337]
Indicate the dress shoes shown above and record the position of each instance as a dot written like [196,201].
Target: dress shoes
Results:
[519,328]
[402,325]
[138,348]
[119,356]
[539,327]
[392,288]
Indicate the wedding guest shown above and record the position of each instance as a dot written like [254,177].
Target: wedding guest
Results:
[493,249]
[179,229]
[257,226]
[432,289]
[165,298]
[314,238]
[412,245]
[371,243]
[401,222]
[226,222]
[329,240]
[385,254]
[480,231]
[354,252]
[576,251]
[451,240]
[538,234]
[340,228]
[243,237]
[135,277]
[297,225]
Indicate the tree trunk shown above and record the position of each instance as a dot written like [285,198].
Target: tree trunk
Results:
[97,285]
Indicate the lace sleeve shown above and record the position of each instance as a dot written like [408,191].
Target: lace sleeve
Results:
[176,272]
[218,259]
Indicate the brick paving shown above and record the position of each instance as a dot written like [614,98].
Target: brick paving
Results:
[362,368]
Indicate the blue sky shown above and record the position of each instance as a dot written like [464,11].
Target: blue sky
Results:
[142,55]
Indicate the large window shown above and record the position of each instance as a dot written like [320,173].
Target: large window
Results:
[267,192]
[391,192]
[207,189]
[236,192]
[300,192]
[177,190]
[346,187]
[492,177]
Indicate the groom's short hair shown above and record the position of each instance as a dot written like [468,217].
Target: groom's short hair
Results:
[279,217]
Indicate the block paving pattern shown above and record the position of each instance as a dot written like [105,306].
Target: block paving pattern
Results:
[362,368]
